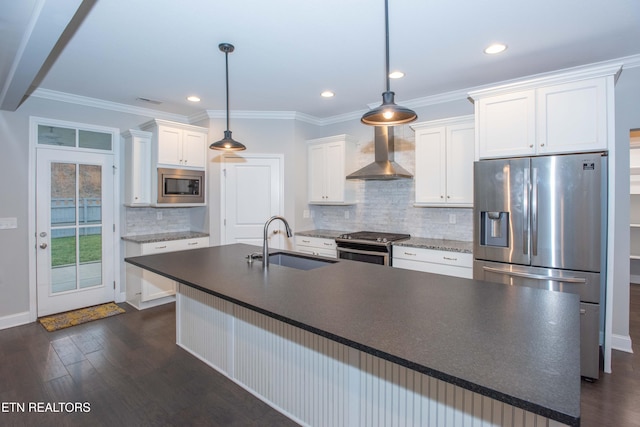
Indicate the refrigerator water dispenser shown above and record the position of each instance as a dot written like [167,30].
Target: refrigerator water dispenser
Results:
[494,229]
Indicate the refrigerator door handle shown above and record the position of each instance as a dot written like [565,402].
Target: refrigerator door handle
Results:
[525,210]
[535,276]
[534,213]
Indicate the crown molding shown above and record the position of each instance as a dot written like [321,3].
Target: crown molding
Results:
[611,66]
[106,105]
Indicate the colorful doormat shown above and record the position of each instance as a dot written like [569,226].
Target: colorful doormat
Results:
[78,317]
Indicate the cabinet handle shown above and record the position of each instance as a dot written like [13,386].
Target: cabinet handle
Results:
[449,259]
[327,244]
[542,145]
[448,197]
[192,243]
[441,196]
[306,241]
[530,145]
[161,247]
[409,253]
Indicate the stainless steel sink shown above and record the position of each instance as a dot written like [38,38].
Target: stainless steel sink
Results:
[300,262]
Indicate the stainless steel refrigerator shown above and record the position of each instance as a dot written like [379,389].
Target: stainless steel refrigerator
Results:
[541,222]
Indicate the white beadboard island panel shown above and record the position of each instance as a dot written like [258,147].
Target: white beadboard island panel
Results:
[320,382]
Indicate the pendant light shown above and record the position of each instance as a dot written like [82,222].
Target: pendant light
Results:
[227,143]
[389,113]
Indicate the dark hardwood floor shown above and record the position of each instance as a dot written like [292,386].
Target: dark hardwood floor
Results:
[131,373]
[614,400]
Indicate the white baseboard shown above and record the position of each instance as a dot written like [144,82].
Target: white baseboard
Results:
[621,342]
[15,320]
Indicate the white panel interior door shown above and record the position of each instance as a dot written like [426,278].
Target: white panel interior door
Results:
[74,220]
[252,193]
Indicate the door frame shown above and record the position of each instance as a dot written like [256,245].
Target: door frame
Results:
[223,194]
[33,133]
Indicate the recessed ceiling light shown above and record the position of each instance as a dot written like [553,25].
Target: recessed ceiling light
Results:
[495,48]
[193,98]
[396,75]
[327,94]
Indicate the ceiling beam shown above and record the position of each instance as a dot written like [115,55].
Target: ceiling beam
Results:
[42,41]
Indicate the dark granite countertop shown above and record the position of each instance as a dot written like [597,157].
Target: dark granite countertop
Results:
[437,244]
[163,237]
[518,345]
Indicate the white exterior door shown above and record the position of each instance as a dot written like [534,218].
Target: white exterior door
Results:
[74,229]
[252,193]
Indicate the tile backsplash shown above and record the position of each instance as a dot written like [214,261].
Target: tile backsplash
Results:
[141,221]
[388,205]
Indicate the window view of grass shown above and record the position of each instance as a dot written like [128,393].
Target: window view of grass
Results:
[63,249]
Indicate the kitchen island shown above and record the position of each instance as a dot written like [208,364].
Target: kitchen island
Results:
[352,343]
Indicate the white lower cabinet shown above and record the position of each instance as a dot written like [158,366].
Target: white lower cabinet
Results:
[316,246]
[448,263]
[146,289]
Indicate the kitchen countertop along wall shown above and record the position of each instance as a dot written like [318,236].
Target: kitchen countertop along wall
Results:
[414,242]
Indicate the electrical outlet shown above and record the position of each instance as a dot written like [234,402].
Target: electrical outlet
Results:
[452,218]
[305,213]
[159,215]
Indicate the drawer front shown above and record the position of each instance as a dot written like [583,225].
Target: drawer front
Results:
[435,268]
[316,242]
[459,259]
[173,245]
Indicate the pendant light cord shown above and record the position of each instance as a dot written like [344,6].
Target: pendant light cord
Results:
[386,31]
[226,60]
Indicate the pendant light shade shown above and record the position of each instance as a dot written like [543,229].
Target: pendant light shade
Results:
[227,143]
[389,113]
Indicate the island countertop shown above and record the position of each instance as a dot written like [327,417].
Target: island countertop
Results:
[517,345]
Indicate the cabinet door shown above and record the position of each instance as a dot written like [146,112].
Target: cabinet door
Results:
[506,125]
[194,146]
[334,176]
[572,117]
[459,171]
[317,155]
[169,146]
[430,165]
[137,169]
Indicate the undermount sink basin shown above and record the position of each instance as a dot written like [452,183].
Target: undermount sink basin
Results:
[299,262]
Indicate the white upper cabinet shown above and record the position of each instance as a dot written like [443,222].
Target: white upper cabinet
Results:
[562,113]
[572,117]
[329,161]
[507,124]
[178,144]
[444,162]
[137,167]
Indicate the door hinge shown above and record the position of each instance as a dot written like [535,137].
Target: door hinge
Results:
[224,221]
[224,172]
[114,228]
[114,284]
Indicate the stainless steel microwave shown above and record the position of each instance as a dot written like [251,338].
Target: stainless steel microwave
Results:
[176,186]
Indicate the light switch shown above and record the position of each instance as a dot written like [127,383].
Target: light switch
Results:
[8,223]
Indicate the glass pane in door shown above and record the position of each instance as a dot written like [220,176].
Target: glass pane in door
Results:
[94,140]
[90,237]
[54,135]
[63,227]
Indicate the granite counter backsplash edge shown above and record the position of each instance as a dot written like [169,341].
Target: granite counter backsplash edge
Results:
[164,237]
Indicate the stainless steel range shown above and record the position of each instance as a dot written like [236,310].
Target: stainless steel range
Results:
[368,246]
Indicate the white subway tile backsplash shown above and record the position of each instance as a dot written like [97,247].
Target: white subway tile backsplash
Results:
[140,221]
[388,206]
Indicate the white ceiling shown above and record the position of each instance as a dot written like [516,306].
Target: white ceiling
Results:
[288,51]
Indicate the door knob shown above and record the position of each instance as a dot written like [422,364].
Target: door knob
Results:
[43,246]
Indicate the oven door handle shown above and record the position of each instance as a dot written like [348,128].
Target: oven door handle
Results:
[358,251]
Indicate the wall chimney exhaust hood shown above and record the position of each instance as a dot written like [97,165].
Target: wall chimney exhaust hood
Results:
[384,167]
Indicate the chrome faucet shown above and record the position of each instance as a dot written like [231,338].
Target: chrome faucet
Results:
[265,245]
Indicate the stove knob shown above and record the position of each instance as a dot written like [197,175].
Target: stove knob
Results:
[379,239]
[384,240]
